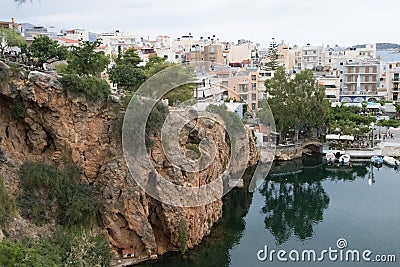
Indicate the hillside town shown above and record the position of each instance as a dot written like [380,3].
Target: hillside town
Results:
[115,147]
[349,74]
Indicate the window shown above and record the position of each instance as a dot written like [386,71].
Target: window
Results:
[253,77]
[253,106]
[244,97]
[253,86]
[341,63]
[253,96]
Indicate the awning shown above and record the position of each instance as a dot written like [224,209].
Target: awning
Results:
[332,137]
[347,137]
[339,137]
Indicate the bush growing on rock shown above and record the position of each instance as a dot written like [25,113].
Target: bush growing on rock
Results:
[96,89]
[7,205]
[49,193]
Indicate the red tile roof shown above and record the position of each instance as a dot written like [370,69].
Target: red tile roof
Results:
[69,41]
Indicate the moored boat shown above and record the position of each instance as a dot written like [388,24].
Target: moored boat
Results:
[377,160]
[330,157]
[344,159]
[391,161]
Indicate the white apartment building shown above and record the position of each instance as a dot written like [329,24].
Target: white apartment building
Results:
[117,40]
[239,52]
[332,87]
[360,53]
[393,80]
[79,35]
[286,56]
[310,57]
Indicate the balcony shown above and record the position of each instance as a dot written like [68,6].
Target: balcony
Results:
[361,73]
[395,89]
[362,82]
[395,80]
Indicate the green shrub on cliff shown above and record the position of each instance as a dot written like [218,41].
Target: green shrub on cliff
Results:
[18,110]
[25,255]
[50,193]
[183,235]
[7,205]
[96,89]
[81,247]
[68,247]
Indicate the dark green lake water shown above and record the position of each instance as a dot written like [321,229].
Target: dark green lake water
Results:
[309,210]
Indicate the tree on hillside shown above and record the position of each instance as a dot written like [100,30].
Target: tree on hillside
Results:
[129,57]
[85,60]
[129,76]
[44,48]
[126,73]
[9,38]
[155,64]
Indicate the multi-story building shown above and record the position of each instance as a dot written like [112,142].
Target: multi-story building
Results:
[119,41]
[264,75]
[239,52]
[362,53]
[359,81]
[214,54]
[393,80]
[244,86]
[286,56]
[79,35]
[310,57]
[361,77]
[332,87]
[34,31]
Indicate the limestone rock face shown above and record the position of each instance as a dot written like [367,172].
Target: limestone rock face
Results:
[56,121]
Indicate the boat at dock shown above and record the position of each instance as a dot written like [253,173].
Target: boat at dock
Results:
[344,159]
[391,161]
[330,157]
[376,160]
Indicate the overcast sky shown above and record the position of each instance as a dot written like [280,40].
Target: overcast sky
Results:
[343,22]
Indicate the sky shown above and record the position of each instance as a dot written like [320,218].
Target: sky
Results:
[343,22]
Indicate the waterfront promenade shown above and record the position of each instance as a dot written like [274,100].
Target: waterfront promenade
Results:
[383,147]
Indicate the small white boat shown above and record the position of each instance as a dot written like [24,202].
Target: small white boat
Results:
[391,161]
[377,160]
[344,159]
[330,157]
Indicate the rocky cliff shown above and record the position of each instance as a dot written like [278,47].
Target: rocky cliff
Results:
[53,121]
